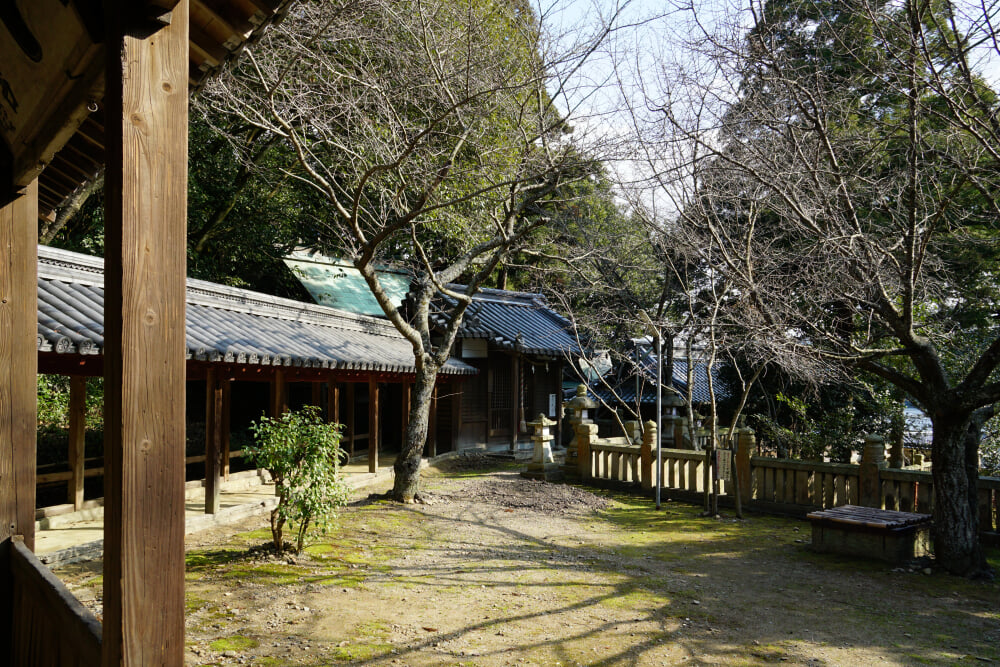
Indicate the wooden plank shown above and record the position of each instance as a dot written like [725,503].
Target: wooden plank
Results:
[802,487]
[769,475]
[373,425]
[840,490]
[53,626]
[316,394]
[77,435]
[906,497]
[213,440]
[144,355]
[925,497]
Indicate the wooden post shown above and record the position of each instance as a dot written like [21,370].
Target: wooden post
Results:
[872,460]
[225,422]
[144,358]
[516,412]
[558,416]
[279,393]
[77,437]
[18,388]
[456,416]
[372,425]
[349,418]
[432,425]
[213,440]
[333,402]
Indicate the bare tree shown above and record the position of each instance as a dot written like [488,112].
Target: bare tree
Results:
[431,129]
[840,160]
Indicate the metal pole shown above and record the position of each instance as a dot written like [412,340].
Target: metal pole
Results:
[659,415]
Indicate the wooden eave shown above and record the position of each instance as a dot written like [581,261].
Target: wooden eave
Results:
[51,97]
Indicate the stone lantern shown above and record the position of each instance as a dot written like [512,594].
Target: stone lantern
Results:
[542,465]
[578,413]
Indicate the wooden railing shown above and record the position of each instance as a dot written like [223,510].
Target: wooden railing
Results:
[50,626]
[783,485]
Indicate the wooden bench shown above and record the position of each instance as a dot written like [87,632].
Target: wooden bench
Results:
[887,535]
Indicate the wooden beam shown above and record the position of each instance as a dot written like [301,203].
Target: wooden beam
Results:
[144,357]
[373,430]
[77,437]
[349,418]
[213,440]
[226,423]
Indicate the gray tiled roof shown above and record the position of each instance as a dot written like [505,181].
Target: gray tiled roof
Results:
[224,324]
[626,390]
[518,321]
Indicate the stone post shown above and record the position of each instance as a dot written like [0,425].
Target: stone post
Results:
[633,432]
[649,436]
[542,464]
[577,413]
[584,434]
[872,460]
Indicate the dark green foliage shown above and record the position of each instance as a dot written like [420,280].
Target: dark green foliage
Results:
[302,453]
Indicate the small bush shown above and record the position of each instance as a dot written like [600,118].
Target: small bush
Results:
[302,453]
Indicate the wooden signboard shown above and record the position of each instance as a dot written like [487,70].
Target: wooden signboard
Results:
[51,71]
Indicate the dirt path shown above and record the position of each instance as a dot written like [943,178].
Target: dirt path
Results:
[499,570]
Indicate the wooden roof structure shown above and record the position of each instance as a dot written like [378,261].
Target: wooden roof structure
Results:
[85,83]
[63,144]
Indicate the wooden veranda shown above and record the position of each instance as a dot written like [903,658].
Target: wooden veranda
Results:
[84,82]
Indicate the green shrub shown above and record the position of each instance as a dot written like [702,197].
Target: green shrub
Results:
[302,453]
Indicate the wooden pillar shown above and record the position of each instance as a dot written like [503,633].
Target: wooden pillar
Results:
[432,425]
[333,403]
[558,416]
[77,437]
[279,393]
[145,239]
[213,440]
[226,423]
[456,416]
[516,412]
[18,384]
[372,425]
[349,418]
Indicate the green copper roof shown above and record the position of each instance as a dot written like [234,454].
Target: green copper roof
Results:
[337,284]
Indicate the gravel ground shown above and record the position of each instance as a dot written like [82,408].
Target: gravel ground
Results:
[496,569]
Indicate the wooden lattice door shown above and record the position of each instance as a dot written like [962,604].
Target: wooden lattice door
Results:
[501,396]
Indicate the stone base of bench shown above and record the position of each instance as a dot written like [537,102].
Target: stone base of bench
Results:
[882,540]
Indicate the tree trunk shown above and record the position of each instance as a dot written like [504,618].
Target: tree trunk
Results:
[956,516]
[406,487]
